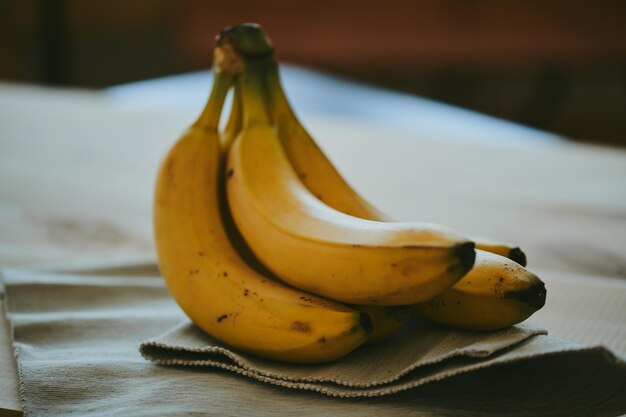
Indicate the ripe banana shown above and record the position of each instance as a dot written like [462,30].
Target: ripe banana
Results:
[495,294]
[492,309]
[507,250]
[319,175]
[213,285]
[317,248]
[323,180]
[386,320]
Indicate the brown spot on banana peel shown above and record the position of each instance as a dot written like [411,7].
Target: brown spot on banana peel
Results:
[301,326]
[222,318]
[313,301]
[230,173]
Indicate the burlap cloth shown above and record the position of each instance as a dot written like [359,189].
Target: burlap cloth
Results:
[80,334]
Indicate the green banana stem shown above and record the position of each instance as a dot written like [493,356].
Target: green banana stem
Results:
[251,83]
[276,93]
[234,123]
[210,117]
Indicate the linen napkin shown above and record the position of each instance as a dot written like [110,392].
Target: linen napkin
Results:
[76,335]
[419,354]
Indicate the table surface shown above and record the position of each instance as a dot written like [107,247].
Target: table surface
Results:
[77,171]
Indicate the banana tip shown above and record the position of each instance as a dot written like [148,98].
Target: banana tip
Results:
[365,323]
[534,296]
[466,254]
[517,255]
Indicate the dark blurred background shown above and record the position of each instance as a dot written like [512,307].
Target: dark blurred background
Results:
[555,65]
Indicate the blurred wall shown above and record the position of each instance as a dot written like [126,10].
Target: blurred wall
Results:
[556,65]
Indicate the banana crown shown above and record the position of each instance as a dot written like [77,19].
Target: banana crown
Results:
[250,40]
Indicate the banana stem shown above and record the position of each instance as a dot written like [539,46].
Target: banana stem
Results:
[254,94]
[276,94]
[209,119]
[233,125]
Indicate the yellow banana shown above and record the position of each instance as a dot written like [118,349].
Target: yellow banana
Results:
[213,285]
[231,130]
[496,293]
[317,248]
[319,175]
[386,320]
[507,250]
[492,311]
[488,310]
[323,180]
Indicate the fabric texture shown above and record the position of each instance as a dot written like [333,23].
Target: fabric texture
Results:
[77,335]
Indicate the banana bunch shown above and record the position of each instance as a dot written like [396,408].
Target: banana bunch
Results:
[268,249]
